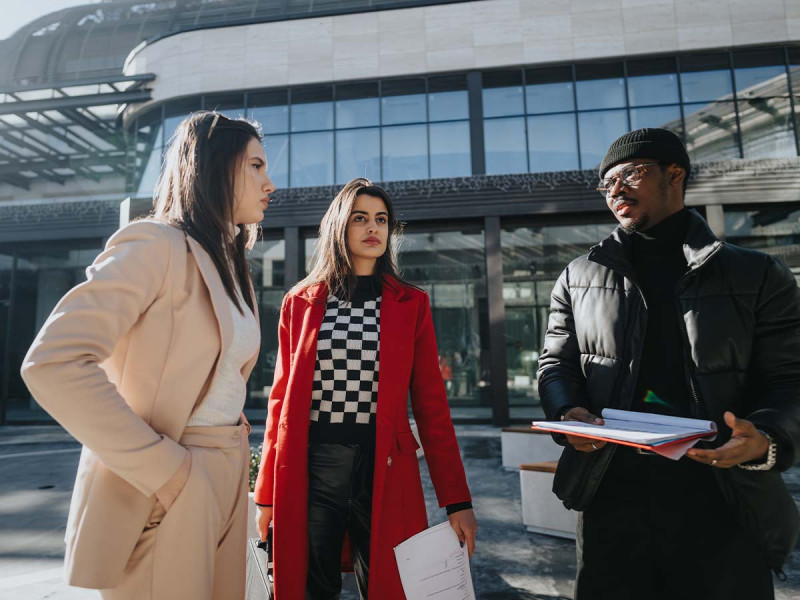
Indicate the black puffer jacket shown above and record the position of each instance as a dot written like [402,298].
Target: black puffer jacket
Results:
[741,328]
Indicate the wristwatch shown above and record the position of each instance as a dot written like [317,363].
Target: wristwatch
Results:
[772,455]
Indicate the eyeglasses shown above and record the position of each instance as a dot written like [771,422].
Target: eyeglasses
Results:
[628,177]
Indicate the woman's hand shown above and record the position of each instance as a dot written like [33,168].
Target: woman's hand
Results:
[263,519]
[465,525]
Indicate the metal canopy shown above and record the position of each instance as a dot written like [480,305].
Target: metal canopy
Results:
[59,133]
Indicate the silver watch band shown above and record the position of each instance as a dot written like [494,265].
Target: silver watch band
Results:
[772,455]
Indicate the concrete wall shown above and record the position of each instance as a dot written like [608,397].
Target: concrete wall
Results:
[488,33]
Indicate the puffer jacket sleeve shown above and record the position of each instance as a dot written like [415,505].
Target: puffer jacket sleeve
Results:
[776,361]
[561,381]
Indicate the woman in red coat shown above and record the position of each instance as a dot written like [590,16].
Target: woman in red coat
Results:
[339,459]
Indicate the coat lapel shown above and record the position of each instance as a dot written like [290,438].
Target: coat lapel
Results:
[219,298]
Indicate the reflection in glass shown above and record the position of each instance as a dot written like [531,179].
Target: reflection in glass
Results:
[362,112]
[358,154]
[601,93]
[711,131]
[273,119]
[550,97]
[450,266]
[706,86]
[44,273]
[597,131]
[653,89]
[761,81]
[276,147]
[775,231]
[405,152]
[450,150]
[312,116]
[409,108]
[553,143]
[766,128]
[267,264]
[504,140]
[447,106]
[312,159]
[665,117]
[533,258]
[150,173]
[503,101]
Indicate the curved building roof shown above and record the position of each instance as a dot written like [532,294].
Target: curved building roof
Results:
[93,40]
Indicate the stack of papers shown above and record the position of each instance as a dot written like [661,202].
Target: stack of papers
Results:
[664,435]
[433,564]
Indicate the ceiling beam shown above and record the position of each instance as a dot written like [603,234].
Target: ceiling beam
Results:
[25,106]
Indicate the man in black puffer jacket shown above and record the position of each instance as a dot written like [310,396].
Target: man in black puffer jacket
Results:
[663,317]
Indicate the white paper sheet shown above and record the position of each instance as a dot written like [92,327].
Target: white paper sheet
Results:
[433,564]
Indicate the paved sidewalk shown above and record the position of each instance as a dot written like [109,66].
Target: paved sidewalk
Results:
[37,467]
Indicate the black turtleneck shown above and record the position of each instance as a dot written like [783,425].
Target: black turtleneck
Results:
[659,263]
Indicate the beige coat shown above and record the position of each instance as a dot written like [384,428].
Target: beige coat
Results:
[121,363]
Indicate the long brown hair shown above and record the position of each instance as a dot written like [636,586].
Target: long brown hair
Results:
[196,192]
[333,264]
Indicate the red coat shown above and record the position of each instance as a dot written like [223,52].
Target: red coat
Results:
[408,361]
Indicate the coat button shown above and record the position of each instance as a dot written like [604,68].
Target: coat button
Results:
[389,462]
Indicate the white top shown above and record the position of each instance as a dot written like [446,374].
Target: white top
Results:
[225,399]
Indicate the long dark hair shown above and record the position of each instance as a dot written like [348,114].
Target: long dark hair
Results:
[195,192]
[333,264]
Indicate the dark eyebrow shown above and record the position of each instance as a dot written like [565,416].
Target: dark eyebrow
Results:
[363,212]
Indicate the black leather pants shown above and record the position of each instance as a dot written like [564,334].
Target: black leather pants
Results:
[339,501]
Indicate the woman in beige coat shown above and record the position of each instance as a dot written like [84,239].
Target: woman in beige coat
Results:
[146,364]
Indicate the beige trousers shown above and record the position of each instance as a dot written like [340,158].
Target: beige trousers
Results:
[196,550]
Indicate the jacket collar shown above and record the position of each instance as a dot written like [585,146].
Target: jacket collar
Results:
[699,245]
[392,290]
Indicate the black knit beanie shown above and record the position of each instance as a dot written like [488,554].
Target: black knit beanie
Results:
[658,144]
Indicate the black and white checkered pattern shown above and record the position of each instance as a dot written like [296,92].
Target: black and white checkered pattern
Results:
[345,388]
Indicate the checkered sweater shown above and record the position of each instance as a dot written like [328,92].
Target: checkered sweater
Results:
[344,396]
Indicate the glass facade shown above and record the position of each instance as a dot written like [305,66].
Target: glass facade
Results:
[774,230]
[533,258]
[32,280]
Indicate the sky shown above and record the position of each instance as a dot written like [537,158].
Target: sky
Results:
[16,13]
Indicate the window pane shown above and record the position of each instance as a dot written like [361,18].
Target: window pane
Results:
[312,159]
[150,173]
[550,97]
[362,112]
[403,109]
[451,267]
[711,131]
[601,93]
[598,130]
[446,106]
[653,89]
[405,153]
[450,150]
[505,146]
[761,81]
[276,147]
[273,119]
[665,117]
[553,143]
[500,102]
[775,231]
[358,154]
[706,86]
[311,116]
[766,128]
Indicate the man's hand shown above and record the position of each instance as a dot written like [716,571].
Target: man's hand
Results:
[465,525]
[263,519]
[582,444]
[746,444]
